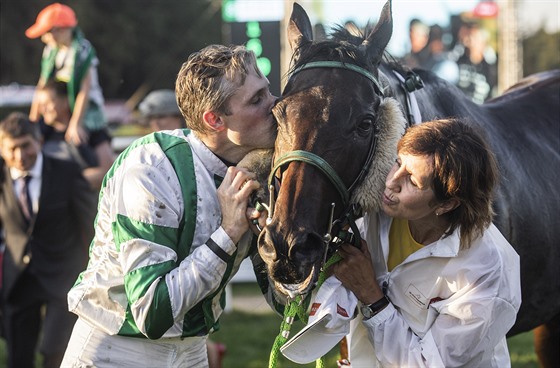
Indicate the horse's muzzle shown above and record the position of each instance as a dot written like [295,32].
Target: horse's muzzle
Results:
[293,265]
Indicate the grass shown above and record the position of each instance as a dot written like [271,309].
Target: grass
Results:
[521,351]
[249,338]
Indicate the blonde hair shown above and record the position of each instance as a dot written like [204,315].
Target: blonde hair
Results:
[208,79]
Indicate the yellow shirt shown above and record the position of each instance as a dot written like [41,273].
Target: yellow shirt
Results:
[401,243]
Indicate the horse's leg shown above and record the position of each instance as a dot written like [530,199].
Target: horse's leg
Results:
[547,343]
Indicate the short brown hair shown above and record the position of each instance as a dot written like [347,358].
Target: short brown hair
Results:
[17,125]
[60,88]
[465,169]
[209,78]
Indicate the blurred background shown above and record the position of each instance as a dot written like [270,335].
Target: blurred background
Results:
[141,44]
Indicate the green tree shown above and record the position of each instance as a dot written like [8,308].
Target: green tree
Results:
[139,42]
[541,52]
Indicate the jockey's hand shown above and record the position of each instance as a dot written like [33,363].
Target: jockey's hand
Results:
[355,271]
[233,195]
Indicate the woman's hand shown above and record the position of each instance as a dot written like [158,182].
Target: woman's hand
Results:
[355,271]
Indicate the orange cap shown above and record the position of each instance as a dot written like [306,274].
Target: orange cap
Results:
[54,15]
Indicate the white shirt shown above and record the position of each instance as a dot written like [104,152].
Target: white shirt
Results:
[34,183]
[450,307]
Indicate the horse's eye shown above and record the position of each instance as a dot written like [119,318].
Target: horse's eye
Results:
[366,125]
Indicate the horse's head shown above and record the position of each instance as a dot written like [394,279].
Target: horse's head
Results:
[336,142]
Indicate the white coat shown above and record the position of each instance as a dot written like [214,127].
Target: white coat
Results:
[450,307]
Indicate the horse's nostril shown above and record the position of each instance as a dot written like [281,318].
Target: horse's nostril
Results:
[291,262]
[307,251]
[266,247]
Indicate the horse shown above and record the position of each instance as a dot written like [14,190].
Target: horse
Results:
[342,111]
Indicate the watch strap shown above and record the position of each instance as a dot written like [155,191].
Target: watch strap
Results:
[379,305]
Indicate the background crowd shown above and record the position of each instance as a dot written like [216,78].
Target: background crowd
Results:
[462,55]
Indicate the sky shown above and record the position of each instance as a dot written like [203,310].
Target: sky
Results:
[531,13]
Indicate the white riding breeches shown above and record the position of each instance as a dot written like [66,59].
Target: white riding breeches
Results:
[89,347]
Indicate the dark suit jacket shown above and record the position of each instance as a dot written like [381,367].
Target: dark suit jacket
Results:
[55,245]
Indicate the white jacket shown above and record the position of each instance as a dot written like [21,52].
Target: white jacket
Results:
[449,307]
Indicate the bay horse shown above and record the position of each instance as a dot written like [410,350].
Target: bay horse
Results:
[340,116]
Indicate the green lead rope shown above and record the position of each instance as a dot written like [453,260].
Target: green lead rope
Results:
[295,307]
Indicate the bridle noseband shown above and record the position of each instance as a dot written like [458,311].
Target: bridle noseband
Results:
[352,211]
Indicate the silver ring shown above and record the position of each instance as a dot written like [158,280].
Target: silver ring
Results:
[257,225]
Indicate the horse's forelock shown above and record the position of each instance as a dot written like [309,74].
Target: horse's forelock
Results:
[341,34]
[344,47]
[391,124]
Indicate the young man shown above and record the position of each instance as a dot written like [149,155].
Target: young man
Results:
[172,226]
[159,109]
[47,212]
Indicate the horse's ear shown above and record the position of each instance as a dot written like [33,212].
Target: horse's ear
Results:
[299,29]
[376,42]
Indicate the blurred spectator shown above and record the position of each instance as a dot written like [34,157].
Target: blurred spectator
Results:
[95,156]
[434,56]
[319,32]
[460,30]
[478,73]
[160,109]
[47,212]
[70,58]
[418,36]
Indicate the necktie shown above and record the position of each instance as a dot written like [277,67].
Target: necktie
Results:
[25,199]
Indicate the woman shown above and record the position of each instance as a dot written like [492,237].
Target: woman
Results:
[439,285]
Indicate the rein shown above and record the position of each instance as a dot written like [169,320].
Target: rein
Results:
[297,307]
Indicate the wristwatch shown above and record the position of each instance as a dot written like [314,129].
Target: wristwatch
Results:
[371,310]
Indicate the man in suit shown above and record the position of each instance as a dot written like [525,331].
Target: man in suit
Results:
[46,235]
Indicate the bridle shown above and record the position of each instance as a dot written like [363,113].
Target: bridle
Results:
[352,210]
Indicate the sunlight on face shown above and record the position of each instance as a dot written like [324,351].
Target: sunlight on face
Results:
[55,109]
[408,189]
[20,153]
[251,122]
